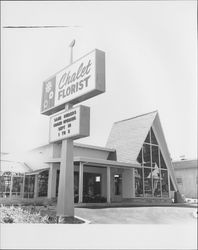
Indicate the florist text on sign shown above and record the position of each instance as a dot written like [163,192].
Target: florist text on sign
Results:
[79,81]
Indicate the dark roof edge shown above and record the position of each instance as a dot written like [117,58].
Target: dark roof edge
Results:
[81,145]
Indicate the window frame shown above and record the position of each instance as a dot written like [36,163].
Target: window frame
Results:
[160,158]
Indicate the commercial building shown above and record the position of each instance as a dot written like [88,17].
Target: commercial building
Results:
[134,165]
[186,177]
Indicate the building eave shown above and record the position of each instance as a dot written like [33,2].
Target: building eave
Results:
[99,162]
[94,147]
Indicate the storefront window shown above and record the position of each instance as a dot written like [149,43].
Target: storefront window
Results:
[147,182]
[43,183]
[155,173]
[138,182]
[11,180]
[156,181]
[29,186]
[146,155]
[148,138]
[165,190]
[91,187]
[5,179]
[17,185]
[162,162]
[155,156]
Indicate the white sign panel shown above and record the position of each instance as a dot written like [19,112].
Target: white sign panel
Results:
[73,123]
[79,81]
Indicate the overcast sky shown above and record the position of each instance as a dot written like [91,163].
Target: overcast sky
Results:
[151,64]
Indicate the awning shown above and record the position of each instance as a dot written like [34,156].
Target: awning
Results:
[98,162]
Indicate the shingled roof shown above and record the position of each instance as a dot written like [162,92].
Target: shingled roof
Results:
[127,136]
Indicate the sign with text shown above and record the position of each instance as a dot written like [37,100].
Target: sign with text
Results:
[79,81]
[73,123]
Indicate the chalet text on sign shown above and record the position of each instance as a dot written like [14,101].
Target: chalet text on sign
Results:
[79,81]
[73,123]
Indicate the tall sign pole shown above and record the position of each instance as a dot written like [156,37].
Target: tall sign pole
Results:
[65,204]
[79,81]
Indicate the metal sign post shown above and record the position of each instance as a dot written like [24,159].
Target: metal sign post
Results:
[79,81]
[65,203]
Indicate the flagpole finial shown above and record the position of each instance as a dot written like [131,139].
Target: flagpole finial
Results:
[71,45]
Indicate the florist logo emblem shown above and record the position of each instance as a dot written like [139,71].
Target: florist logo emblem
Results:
[49,94]
[48,87]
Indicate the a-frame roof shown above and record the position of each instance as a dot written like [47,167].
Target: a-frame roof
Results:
[127,136]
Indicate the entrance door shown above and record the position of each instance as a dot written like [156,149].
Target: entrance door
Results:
[91,187]
[117,187]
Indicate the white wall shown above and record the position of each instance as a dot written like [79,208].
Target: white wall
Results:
[189,182]
[81,151]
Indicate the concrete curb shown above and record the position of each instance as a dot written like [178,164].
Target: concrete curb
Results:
[80,218]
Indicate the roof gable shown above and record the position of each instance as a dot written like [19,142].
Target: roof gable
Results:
[128,136]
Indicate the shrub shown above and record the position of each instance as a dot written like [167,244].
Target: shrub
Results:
[18,215]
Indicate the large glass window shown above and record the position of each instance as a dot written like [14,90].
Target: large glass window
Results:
[147,182]
[29,186]
[11,183]
[91,185]
[138,182]
[164,183]
[148,138]
[162,162]
[147,155]
[152,181]
[5,183]
[155,156]
[153,138]
[17,185]
[156,181]
[92,188]
[43,183]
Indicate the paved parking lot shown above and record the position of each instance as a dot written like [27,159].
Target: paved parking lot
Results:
[139,215]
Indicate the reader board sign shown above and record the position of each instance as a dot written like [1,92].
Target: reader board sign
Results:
[73,123]
[79,81]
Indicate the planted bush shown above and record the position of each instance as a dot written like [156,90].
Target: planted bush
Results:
[19,215]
